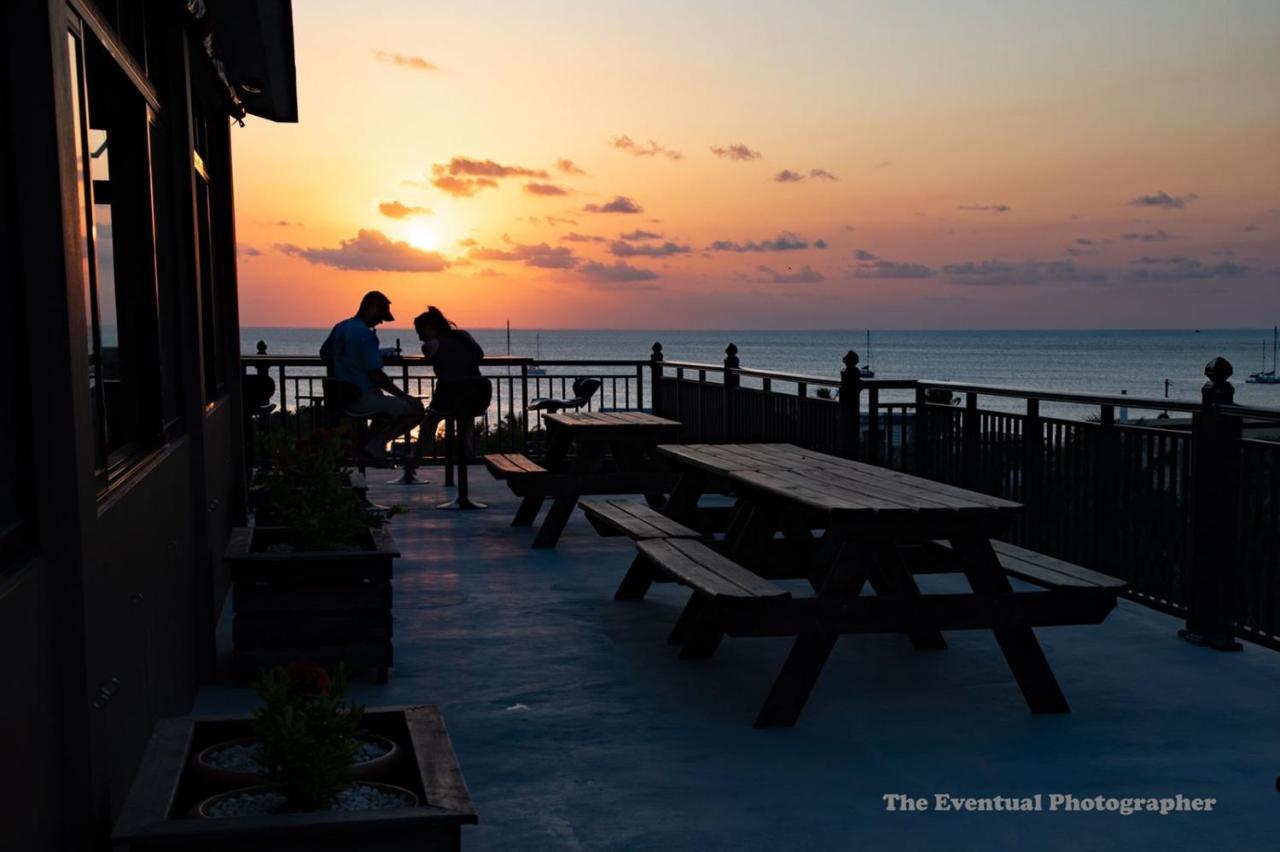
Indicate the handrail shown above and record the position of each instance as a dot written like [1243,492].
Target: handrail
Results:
[397,361]
[1118,400]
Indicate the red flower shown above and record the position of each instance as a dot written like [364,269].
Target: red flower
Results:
[311,675]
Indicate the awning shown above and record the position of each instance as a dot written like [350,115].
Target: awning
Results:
[250,43]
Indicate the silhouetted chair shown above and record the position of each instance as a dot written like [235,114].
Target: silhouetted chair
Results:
[339,397]
[583,390]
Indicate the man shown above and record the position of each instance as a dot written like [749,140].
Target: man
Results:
[351,355]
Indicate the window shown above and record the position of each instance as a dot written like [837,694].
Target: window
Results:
[111,126]
[212,218]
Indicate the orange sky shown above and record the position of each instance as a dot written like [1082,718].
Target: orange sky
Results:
[824,165]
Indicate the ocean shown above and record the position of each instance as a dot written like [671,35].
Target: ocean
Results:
[1107,362]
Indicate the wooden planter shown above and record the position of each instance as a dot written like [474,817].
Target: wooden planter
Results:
[329,606]
[155,815]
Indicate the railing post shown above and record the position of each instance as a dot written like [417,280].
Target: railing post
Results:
[655,379]
[1032,497]
[1106,460]
[922,440]
[970,442]
[1215,510]
[639,387]
[872,453]
[731,382]
[848,416]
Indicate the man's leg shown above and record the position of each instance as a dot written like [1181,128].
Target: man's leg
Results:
[404,414]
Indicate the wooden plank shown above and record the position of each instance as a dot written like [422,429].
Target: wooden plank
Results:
[504,465]
[1016,559]
[694,564]
[636,519]
[283,597]
[733,572]
[438,767]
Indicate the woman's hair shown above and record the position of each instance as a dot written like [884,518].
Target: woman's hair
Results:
[433,318]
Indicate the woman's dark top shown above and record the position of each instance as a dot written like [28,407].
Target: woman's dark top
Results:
[458,356]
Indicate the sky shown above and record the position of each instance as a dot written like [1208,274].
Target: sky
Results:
[719,165]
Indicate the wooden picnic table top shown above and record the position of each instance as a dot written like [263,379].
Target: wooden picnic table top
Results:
[832,485]
[609,420]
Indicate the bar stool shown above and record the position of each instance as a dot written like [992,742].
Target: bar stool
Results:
[456,453]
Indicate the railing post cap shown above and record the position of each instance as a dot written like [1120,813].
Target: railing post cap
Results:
[1218,370]
[262,347]
[731,350]
[850,360]
[657,351]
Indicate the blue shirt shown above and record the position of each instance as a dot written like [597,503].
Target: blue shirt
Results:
[351,351]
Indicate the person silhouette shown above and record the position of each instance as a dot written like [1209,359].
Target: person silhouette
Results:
[461,392]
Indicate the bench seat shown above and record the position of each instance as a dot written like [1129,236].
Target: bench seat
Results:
[1045,571]
[634,519]
[694,564]
[508,465]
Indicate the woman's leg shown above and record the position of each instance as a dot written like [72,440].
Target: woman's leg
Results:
[427,431]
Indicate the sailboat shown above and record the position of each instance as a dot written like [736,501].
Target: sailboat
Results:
[538,370]
[865,370]
[1269,377]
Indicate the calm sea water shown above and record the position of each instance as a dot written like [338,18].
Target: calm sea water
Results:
[1137,362]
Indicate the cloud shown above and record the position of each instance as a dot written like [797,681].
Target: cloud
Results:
[1180,268]
[788,176]
[653,149]
[735,152]
[985,208]
[822,174]
[621,248]
[468,241]
[488,272]
[415,63]
[1250,228]
[568,167]
[560,220]
[370,250]
[1164,199]
[545,189]
[805,275]
[250,251]
[640,234]
[619,204]
[863,254]
[574,237]
[620,272]
[997,273]
[485,168]
[285,223]
[785,241]
[396,210]
[541,255]
[1157,236]
[462,187]
[819,244]
[878,268]
[1084,241]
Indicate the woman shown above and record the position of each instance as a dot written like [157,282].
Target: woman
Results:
[461,392]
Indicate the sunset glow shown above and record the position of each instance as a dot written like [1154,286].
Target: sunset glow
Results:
[911,165]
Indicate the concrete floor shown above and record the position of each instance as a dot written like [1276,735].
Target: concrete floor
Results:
[578,728]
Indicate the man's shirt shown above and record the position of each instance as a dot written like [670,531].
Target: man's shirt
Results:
[351,351]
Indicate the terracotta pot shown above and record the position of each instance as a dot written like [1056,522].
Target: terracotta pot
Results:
[201,809]
[229,779]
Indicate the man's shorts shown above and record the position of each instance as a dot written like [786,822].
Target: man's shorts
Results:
[373,402]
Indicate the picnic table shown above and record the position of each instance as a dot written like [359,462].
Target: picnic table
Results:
[845,524]
[579,445]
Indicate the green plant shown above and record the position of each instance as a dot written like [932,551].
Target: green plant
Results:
[307,730]
[306,488]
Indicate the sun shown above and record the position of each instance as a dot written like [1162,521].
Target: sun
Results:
[423,237]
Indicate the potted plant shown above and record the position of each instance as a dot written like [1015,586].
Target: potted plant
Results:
[317,581]
[306,734]
[308,728]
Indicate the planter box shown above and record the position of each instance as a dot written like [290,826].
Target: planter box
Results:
[329,606]
[155,815]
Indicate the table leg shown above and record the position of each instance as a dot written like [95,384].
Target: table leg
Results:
[1018,644]
[895,579]
[637,581]
[682,506]
[590,454]
[630,457]
[557,450]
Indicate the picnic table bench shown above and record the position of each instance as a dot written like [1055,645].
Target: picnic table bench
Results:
[844,525]
[628,438]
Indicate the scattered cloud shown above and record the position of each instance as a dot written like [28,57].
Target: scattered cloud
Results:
[653,149]
[396,210]
[805,275]
[488,272]
[415,63]
[467,242]
[640,234]
[985,208]
[735,152]
[462,187]
[285,223]
[619,204]
[1157,236]
[485,168]
[822,174]
[618,273]
[370,250]
[785,241]
[540,255]
[789,176]
[575,237]
[250,251]
[544,189]
[1250,228]
[819,244]
[874,267]
[568,167]
[1178,267]
[863,254]
[1164,199]
[560,220]
[622,248]
[995,273]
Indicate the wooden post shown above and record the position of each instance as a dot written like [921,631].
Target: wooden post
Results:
[1032,497]
[970,442]
[655,379]
[848,416]
[731,383]
[1215,509]
[1106,461]
[921,438]
[874,438]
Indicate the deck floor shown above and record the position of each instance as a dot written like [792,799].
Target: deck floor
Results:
[577,726]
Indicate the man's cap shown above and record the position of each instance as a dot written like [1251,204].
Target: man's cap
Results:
[377,297]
